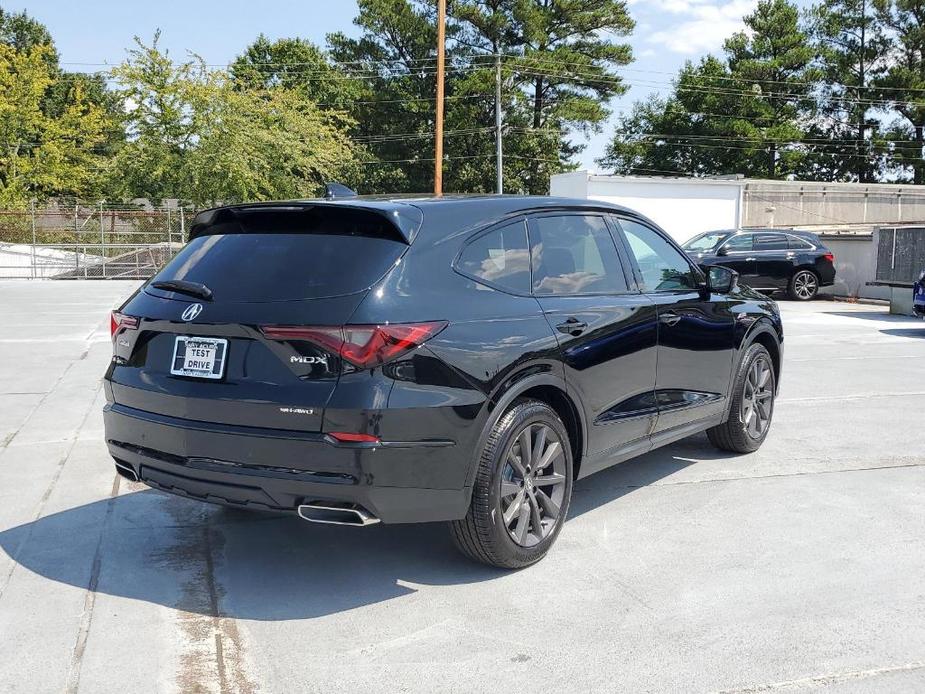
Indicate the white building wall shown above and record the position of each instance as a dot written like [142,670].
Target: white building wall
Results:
[570,185]
[682,207]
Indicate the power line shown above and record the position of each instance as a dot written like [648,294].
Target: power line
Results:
[425,160]
[762,150]
[370,68]
[370,74]
[804,140]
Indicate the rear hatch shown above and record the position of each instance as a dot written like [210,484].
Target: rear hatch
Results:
[198,341]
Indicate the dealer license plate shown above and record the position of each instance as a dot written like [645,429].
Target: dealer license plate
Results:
[199,357]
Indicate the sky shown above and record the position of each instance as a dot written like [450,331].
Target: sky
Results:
[89,34]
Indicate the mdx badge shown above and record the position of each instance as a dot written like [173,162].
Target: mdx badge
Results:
[191,312]
[309,360]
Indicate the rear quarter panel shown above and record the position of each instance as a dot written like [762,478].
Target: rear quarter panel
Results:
[493,341]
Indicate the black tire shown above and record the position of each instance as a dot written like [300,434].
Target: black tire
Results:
[483,535]
[736,434]
[804,285]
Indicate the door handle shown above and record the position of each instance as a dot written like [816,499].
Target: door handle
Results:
[572,326]
[670,318]
[748,260]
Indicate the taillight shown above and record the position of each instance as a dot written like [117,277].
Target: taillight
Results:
[364,346]
[830,257]
[118,321]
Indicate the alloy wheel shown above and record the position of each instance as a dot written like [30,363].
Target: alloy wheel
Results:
[805,285]
[533,484]
[758,398]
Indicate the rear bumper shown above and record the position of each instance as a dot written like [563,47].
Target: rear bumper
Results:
[826,275]
[267,469]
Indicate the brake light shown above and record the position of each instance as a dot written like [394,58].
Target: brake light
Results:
[830,257]
[119,321]
[364,346]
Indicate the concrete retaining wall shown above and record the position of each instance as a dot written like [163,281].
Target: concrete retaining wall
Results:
[855,265]
[796,203]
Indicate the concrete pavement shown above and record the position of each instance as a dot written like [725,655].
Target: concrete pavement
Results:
[797,568]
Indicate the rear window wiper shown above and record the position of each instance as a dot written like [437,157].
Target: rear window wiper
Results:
[196,289]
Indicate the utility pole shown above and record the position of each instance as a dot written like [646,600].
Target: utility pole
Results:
[499,162]
[441,50]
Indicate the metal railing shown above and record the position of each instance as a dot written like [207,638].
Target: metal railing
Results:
[89,241]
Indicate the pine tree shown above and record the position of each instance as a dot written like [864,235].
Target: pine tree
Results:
[558,60]
[744,113]
[852,51]
[903,83]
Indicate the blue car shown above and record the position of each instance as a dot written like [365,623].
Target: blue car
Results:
[918,296]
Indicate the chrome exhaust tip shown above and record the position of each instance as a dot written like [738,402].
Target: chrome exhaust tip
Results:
[126,471]
[336,513]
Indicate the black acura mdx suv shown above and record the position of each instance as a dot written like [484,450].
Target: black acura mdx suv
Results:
[769,259]
[445,359]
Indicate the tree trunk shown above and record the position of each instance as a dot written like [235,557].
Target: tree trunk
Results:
[772,160]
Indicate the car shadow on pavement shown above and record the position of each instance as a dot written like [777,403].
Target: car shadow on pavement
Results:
[907,332]
[157,548]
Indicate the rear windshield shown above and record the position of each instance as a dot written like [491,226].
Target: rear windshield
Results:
[256,267]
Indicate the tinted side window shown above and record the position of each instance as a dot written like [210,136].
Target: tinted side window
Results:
[742,242]
[574,254]
[500,257]
[799,244]
[770,242]
[663,267]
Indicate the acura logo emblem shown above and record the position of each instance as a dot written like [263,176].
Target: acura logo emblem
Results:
[191,312]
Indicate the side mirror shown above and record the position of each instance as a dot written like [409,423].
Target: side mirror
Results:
[721,280]
[722,251]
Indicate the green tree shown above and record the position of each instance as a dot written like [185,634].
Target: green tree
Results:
[21,32]
[902,83]
[745,113]
[773,60]
[264,144]
[852,50]
[41,156]
[66,94]
[294,63]
[201,136]
[560,63]
[24,77]
[160,120]
[706,127]
[394,58]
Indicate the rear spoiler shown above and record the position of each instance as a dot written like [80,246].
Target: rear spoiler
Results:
[366,218]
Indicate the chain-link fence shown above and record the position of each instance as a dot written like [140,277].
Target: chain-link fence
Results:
[89,241]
